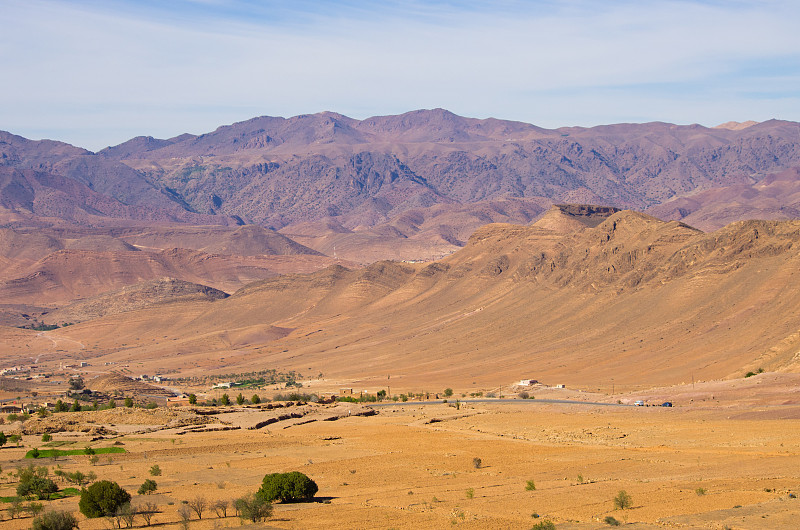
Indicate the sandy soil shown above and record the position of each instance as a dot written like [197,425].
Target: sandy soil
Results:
[411,466]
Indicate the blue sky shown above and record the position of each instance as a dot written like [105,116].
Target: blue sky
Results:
[96,73]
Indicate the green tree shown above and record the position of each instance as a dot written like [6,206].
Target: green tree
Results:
[622,500]
[287,487]
[112,404]
[102,499]
[39,487]
[47,437]
[76,407]
[54,520]
[155,470]
[448,392]
[240,399]
[192,399]
[255,400]
[60,406]
[3,439]
[129,402]
[147,487]
[225,400]
[253,508]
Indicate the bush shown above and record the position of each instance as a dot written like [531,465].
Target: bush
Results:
[155,470]
[47,437]
[448,392]
[547,524]
[610,521]
[55,521]
[622,500]
[39,487]
[3,439]
[287,487]
[192,399]
[240,399]
[530,486]
[152,405]
[700,491]
[253,508]
[476,462]
[102,499]
[224,400]
[255,400]
[129,402]
[147,487]
[60,406]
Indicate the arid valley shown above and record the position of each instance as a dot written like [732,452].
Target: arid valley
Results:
[442,321]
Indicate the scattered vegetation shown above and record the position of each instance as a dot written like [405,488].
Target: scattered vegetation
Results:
[547,524]
[610,521]
[147,487]
[622,501]
[471,493]
[155,470]
[530,486]
[55,520]
[476,462]
[700,491]
[253,508]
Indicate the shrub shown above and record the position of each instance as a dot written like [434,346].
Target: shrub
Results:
[60,406]
[147,487]
[39,487]
[476,462]
[192,399]
[700,491]
[253,508]
[530,486]
[448,392]
[47,437]
[547,524]
[89,451]
[185,513]
[198,505]
[622,500]
[287,487]
[240,399]
[255,400]
[126,514]
[155,470]
[224,400]
[152,405]
[35,452]
[102,499]
[129,402]
[220,507]
[147,510]
[55,521]
[471,493]
[524,395]
[610,521]
[112,404]
[3,439]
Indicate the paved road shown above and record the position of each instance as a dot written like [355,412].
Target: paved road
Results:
[515,401]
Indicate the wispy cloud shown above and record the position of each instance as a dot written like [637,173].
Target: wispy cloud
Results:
[97,72]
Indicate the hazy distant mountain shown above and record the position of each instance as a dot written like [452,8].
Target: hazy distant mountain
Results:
[362,174]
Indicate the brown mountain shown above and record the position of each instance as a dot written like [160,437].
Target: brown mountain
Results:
[362,174]
[632,299]
[776,196]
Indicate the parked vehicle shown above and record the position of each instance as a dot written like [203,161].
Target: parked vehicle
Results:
[667,404]
[639,403]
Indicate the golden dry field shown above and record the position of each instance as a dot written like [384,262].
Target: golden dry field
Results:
[704,465]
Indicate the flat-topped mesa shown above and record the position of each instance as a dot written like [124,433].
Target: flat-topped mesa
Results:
[588,211]
[565,218]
